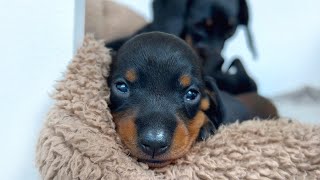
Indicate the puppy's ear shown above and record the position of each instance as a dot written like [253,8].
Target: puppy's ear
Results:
[243,15]
[243,18]
[216,111]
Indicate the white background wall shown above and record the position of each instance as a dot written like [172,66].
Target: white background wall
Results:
[36,43]
[287,36]
[37,40]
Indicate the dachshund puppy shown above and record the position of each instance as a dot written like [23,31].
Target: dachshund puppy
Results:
[162,102]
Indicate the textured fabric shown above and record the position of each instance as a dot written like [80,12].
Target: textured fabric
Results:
[78,139]
[109,20]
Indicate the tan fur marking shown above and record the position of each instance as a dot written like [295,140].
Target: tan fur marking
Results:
[196,123]
[212,96]
[180,138]
[185,136]
[131,75]
[205,104]
[185,80]
[126,128]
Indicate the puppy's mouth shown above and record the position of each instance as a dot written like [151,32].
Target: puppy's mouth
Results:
[153,163]
[162,160]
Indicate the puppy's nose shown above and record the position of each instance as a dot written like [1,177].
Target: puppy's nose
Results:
[154,142]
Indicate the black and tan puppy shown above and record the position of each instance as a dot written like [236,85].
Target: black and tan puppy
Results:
[162,102]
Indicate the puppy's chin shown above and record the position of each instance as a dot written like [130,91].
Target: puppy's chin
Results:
[156,163]
[164,160]
[161,160]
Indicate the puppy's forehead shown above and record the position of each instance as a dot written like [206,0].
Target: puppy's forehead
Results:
[158,52]
[206,8]
[158,72]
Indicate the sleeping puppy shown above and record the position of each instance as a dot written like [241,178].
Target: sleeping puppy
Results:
[162,102]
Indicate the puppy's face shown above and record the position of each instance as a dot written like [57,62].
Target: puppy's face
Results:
[158,97]
[211,22]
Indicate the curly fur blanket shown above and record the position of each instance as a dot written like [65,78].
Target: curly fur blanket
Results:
[78,140]
[109,20]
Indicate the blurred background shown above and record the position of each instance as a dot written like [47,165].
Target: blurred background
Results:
[39,38]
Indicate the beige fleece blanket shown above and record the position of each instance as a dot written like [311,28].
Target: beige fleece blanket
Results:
[78,139]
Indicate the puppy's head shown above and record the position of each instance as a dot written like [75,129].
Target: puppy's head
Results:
[158,97]
[211,22]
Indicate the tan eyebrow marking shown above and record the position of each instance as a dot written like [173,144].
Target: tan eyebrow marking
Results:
[205,104]
[131,75]
[185,80]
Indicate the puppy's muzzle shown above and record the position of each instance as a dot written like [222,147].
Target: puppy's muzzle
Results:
[155,133]
[154,141]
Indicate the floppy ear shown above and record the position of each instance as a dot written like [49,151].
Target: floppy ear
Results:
[216,111]
[243,19]
[243,15]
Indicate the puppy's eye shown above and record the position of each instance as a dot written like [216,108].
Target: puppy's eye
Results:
[192,95]
[122,87]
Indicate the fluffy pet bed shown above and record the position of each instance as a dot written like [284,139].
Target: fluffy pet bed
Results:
[109,20]
[78,140]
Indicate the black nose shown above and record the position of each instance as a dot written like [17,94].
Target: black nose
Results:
[154,142]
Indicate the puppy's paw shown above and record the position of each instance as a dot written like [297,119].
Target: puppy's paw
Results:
[206,130]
